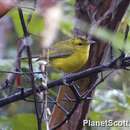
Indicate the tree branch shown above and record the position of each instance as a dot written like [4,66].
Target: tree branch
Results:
[124,63]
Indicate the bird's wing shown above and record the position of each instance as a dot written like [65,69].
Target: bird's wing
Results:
[60,51]
[60,55]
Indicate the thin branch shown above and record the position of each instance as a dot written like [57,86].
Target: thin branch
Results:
[29,55]
[69,78]
[25,31]
[8,83]
[21,73]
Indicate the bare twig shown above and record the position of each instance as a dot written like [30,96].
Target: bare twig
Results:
[9,82]
[69,78]
[28,50]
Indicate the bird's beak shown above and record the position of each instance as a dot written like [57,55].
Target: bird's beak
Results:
[91,42]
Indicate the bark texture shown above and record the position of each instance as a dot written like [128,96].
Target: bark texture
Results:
[106,13]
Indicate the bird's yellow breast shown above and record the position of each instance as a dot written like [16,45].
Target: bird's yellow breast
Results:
[74,62]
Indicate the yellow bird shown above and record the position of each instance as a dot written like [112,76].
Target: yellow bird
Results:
[69,55]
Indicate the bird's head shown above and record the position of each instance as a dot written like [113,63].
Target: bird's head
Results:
[79,44]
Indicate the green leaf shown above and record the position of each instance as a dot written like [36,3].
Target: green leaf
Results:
[95,116]
[16,21]
[20,122]
[66,27]
[72,2]
[116,39]
[128,99]
[55,75]
[35,26]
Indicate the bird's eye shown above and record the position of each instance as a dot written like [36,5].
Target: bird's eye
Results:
[80,44]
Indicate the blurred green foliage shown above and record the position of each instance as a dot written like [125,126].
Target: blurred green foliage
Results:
[20,122]
[32,25]
[112,97]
